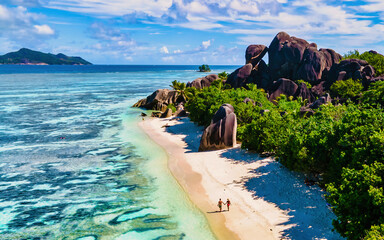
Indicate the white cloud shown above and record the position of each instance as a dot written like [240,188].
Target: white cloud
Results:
[164,49]
[44,29]
[241,6]
[372,6]
[206,44]
[4,13]
[113,8]
[326,22]
[23,27]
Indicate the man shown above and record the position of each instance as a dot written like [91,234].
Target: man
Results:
[220,204]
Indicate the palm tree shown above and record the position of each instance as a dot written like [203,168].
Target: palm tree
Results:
[180,88]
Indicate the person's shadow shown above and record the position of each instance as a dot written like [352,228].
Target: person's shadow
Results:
[218,211]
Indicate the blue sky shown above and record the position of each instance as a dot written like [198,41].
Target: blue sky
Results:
[184,31]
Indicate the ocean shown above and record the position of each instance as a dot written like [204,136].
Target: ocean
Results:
[74,164]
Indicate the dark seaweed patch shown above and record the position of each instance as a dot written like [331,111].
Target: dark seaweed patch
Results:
[144,229]
[115,220]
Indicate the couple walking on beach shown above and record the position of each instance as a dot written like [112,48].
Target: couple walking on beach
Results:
[221,203]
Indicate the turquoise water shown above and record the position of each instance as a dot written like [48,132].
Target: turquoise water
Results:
[74,165]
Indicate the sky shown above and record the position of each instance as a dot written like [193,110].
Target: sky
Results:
[184,31]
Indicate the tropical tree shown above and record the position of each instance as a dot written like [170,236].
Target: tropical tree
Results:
[204,68]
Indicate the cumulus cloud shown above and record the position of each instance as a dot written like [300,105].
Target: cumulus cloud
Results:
[164,49]
[195,14]
[206,44]
[22,27]
[306,18]
[44,29]
[372,6]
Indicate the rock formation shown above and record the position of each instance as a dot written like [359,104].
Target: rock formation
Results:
[290,88]
[322,100]
[221,133]
[167,113]
[203,82]
[350,68]
[294,58]
[160,99]
[290,59]
[283,86]
[241,76]
[254,54]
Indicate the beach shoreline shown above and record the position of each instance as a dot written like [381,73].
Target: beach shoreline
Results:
[268,200]
[198,180]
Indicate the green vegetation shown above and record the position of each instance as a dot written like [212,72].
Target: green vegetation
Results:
[341,147]
[359,202]
[203,105]
[223,75]
[27,56]
[180,88]
[172,107]
[375,95]
[204,68]
[347,88]
[375,60]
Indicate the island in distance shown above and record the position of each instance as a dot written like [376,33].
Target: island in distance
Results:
[29,57]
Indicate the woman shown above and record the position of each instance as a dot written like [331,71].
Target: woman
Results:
[228,203]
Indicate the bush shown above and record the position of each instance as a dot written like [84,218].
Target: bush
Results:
[358,202]
[172,107]
[375,233]
[347,89]
[207,101]
[223,75]
[375,95]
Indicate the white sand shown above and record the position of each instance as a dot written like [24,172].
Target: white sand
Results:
[268,201]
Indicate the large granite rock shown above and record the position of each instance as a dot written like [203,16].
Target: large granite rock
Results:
[318,90]
[221,133]
[167,113]
[304,93]
[160,99]
[261,76]
[249,73]
[290,88]
[350,68]
[240,77]
[322,100]
[294,58]
[254,54]
[203,82]
[282,86]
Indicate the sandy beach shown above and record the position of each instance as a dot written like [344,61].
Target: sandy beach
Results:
[268,201]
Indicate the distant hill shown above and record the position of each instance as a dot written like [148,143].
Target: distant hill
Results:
[30,57]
